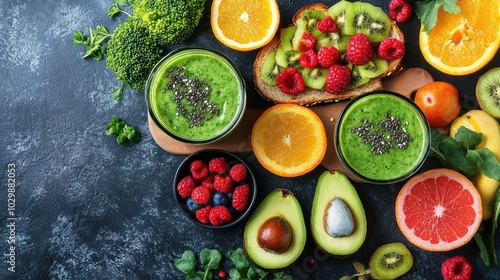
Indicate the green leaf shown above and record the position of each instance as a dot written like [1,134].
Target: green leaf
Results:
[234,274]
[113,10]
[470,139]
[427,11]
[79,38]
[210,259]
[483,251]
[115,126]
[117,93]
[187,263]
[486,161]
[239,259]
[494,225]
[122,2]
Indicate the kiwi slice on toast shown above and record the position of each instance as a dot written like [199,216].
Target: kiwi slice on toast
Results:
[270,69]
[376,67]
[339,13]
[368,19]
[488,92]
[357,79]
[390,261]
[286,36]
[308,20]
[289,58]
[314,77]
[336,39]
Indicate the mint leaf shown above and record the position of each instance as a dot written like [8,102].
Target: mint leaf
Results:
[187,263]
[427,11]
[486,161]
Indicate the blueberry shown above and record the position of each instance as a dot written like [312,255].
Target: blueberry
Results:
[230,196]
[191,205]
[220,199]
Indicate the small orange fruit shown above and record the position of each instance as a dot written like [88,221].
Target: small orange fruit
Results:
[244,25]
[439,101]
[438,210]
[289,140]
[463,43]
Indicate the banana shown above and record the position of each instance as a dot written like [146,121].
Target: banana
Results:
[481,122]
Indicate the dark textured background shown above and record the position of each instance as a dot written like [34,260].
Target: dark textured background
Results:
[90,209]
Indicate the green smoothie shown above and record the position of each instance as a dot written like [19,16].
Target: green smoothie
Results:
[196,95]
[382,137]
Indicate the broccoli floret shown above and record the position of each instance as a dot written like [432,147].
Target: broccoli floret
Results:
[171,21]
[132,53]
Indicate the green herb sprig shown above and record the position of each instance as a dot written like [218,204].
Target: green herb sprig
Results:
[115,8]
[122,131]
[427,11]
[487,245]
[94,43]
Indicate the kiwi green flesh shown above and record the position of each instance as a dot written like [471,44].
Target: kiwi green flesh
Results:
[270,70]
[357,79]
[368,19]
[336,39]
[390,261]
[374,68]
[289,58]
[314,77]
[338,12]
[308,20]
[287,36]
[488,92]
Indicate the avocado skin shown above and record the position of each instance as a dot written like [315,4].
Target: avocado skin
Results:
[280,202]
[336,184]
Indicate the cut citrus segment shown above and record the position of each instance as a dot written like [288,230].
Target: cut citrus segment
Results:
[289,140]
[463,43]
[244,25]
[439,210]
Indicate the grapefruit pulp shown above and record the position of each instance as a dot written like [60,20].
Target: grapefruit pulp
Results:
[438,210]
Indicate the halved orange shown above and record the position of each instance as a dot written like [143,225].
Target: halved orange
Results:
[289,140]
[244,25]
[463,43]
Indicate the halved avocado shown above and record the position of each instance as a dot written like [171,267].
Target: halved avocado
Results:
[279,203]
[334,184]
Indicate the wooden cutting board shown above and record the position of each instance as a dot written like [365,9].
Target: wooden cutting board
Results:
[405,83]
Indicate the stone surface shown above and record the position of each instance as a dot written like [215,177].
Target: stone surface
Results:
[87,208]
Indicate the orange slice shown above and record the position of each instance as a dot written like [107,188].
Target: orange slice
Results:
[289,140]
[461,44]
[244,25]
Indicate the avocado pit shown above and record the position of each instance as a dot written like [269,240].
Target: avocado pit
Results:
[275,235]
[338,219]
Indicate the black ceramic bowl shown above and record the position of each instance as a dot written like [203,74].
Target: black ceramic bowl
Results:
[231,159]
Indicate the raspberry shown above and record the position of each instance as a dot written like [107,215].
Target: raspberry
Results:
[207,182]
[328,56]
[200,195]
[185,186]
[223,184]
[219,215]
[327,25]
[240,197]
[400,10]
[203,214]
[359,49]
[306,42]
[290,81]
[390,49]
[217,165]
[198,169]
[308,59]
[238,172]
[337,79]
[456,268]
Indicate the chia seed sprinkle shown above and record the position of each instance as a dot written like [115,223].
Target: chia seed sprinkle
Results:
[191,97]
[384,135]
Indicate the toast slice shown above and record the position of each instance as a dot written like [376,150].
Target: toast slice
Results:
[311,96]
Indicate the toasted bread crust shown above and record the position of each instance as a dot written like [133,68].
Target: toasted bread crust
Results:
[311,96]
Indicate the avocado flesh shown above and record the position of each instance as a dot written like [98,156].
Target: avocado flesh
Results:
[335,184]
[280,202]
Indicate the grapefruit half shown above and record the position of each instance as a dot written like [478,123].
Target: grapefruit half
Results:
[438,210]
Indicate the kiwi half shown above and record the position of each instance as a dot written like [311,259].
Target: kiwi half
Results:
[314,77]
[339,12]
[376,67]
[488,92]
[286,35]
[289,58]
[357,79]
[390,261]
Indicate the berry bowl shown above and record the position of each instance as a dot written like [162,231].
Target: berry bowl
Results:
[215,188]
